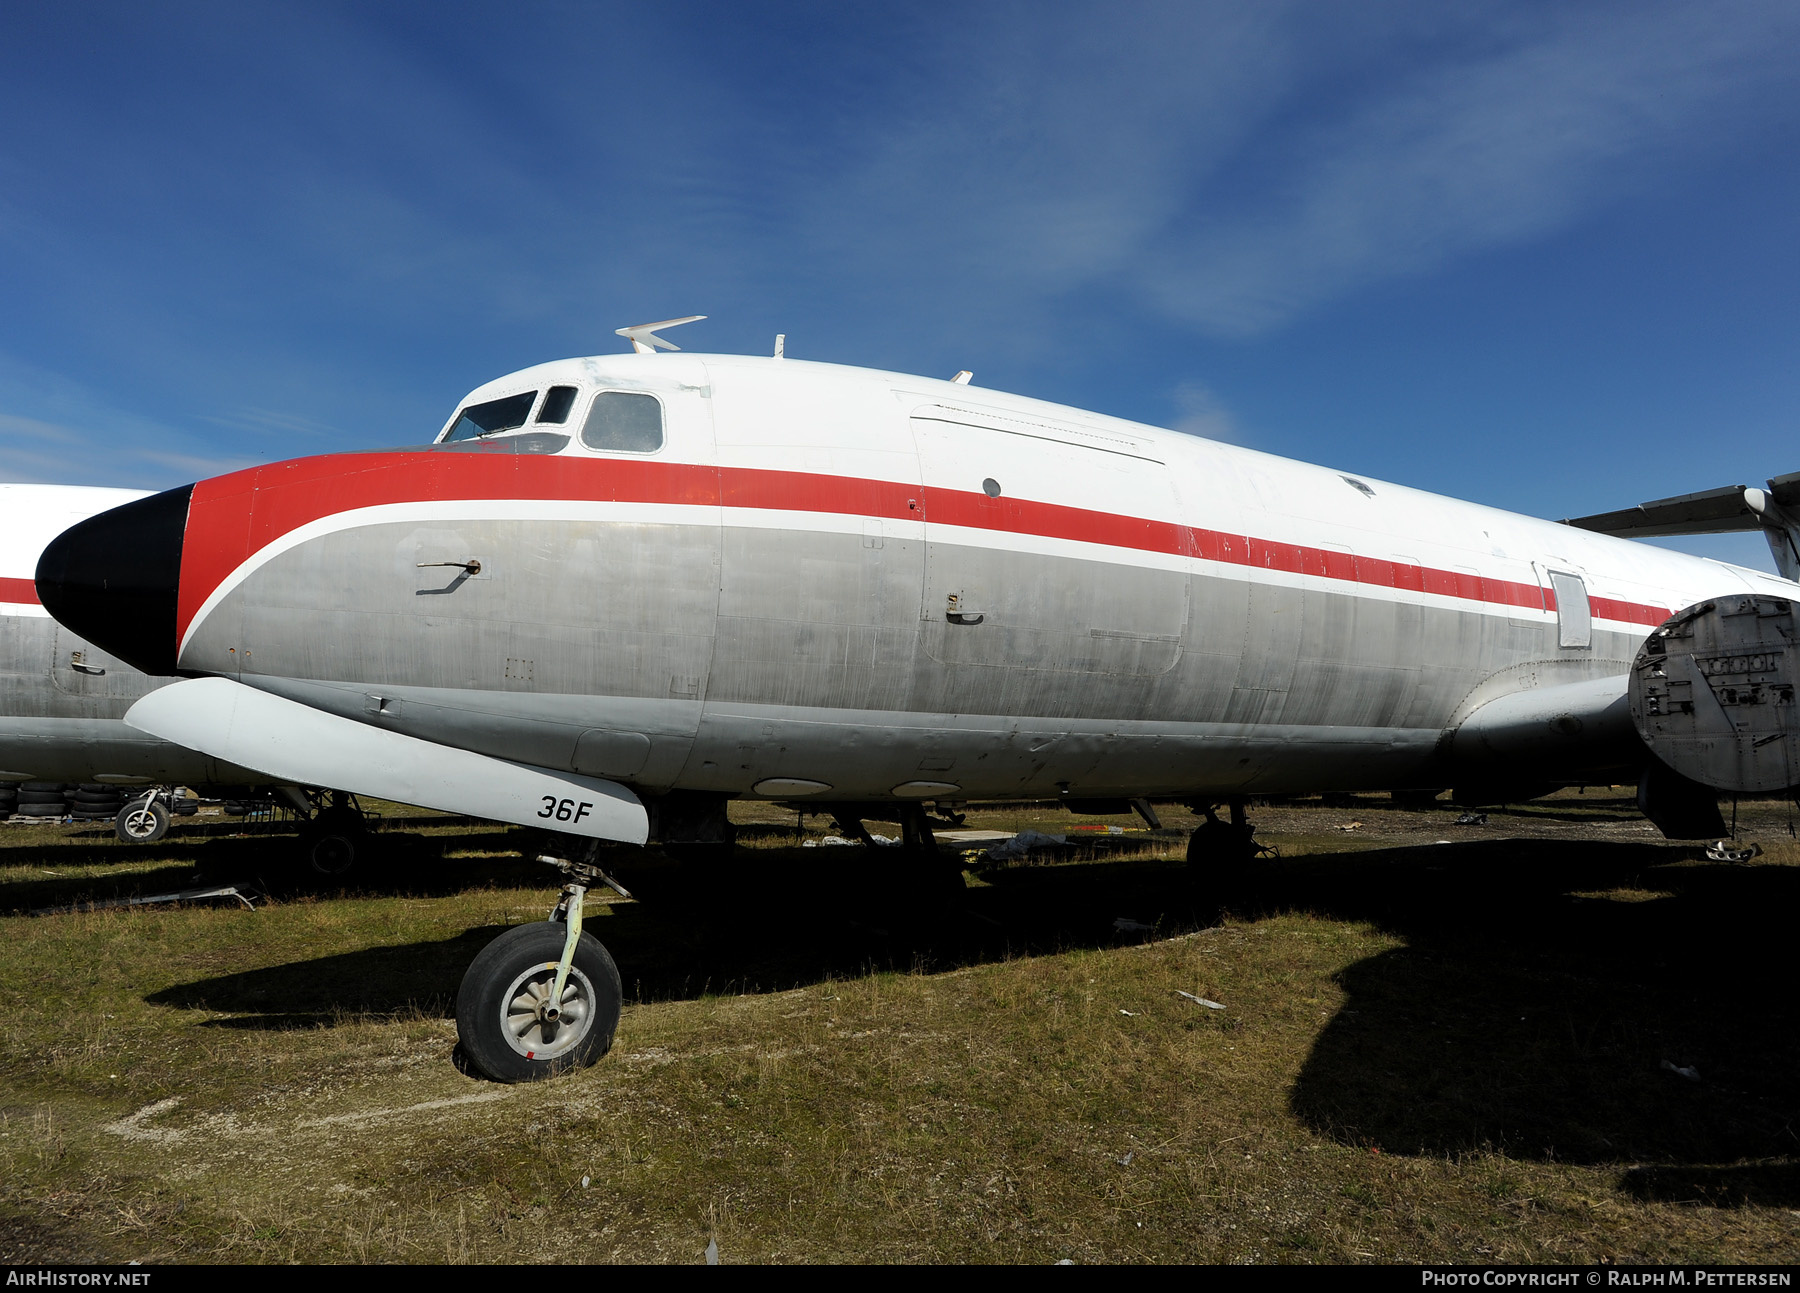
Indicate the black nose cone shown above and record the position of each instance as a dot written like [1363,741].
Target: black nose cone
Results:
[113,578]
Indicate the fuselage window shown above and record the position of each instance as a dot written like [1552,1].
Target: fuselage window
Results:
[495,415]
[621,421]
[558,400]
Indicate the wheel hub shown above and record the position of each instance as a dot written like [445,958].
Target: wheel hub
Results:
[539,1028]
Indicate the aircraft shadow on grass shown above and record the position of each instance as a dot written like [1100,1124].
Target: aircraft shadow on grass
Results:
[398,861]
[1541,987]
[1547,994]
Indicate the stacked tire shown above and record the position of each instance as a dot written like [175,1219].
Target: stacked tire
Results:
[94,801]
[43,799]
[9,799]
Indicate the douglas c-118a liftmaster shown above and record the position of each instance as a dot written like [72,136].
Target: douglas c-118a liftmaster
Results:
[617,592]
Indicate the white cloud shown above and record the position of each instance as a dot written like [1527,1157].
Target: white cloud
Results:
[1236,166]
[86,441]
[1474,153]
[13,426]
[270,422]
[1199,412]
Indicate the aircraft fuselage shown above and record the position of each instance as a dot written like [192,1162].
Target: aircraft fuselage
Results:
[859,585]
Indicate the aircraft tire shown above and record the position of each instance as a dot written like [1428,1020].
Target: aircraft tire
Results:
[499,1005]
[330,853]
[142,821]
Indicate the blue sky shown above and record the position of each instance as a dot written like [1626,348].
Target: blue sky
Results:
[1539,255]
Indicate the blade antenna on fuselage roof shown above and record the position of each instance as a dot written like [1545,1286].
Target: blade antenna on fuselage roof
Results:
[643,335]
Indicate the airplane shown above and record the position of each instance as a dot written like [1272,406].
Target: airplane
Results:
[614,593]
[63,700]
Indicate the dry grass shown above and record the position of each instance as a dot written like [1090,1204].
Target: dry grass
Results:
[1429,1052]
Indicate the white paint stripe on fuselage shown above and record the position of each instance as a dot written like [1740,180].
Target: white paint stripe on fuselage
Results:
[710,517]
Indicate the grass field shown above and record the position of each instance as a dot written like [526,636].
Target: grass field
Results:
[1438,1043]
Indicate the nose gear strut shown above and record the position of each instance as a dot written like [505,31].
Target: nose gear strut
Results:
[579,877]
[540,1000]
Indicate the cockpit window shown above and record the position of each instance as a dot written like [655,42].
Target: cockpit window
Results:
[557,403]
[622,421]
[495,415]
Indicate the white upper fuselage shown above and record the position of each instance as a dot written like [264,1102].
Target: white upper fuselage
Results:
[804,417]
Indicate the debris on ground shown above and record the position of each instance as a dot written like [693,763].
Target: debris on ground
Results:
[243,891]
[1689,1072]
[972,837]
[1472,819]
[1348,826]
[1210,1005]
[1730,851]
[1126,925]
[1021,844]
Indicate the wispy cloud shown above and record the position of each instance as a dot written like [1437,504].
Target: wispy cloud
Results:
[1475,152]
[36,452]
[91,443]
[1200,412]
[273,423]
[13,427]
[1237,166]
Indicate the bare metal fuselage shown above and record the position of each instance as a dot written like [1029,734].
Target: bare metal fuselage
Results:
[865,586]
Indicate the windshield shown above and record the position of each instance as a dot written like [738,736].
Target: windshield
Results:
[557,403]
[495,415]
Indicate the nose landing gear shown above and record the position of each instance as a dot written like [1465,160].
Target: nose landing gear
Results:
[542,998]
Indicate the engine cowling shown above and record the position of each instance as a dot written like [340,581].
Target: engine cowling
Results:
[1712,693]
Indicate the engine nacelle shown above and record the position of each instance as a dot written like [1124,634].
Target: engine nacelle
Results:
[1712,693]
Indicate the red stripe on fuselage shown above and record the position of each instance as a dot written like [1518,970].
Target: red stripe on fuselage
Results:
[231,518]
[19,590]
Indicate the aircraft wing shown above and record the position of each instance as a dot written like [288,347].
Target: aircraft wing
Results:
[1711,511]
[1774,510]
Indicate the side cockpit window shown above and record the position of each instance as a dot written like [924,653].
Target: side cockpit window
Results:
[495,415]
[558,400]
[624,422]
